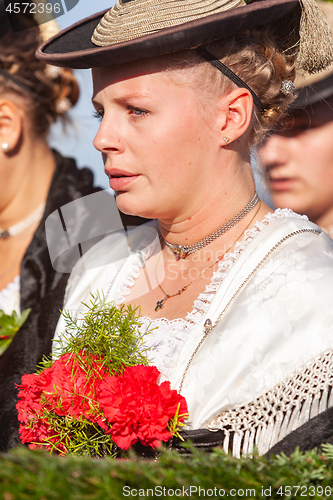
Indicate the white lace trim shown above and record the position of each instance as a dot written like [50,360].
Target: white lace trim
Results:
[167,340]
[271,417]
[10,297]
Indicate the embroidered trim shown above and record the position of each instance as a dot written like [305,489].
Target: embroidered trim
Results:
[165,343]
[271,417]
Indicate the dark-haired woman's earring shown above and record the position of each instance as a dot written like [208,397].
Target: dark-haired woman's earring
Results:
[5,146]
[226,140]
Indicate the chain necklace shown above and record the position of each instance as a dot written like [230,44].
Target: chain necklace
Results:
[24,224]
[182,251]
[160,303]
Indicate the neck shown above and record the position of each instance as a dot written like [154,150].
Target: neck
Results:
[214,209]
[25,178]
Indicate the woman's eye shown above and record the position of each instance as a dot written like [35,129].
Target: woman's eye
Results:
[137,112]
[98,115]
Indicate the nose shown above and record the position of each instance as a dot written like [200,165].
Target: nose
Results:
[274,152]
[108,138]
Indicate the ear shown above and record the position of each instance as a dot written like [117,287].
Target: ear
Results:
[237,115]
[11,124]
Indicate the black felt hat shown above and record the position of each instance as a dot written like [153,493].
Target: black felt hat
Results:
[138,29]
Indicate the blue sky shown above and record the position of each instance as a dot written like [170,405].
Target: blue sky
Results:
[76,141]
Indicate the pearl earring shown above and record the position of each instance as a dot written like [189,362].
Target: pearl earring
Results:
[5,146]
[226,140]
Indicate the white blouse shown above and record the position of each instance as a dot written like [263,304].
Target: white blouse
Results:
[169,336]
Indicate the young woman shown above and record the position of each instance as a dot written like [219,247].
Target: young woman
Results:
[240,294]
[297,159]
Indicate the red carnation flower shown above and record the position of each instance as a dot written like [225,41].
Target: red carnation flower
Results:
[64,389]
[138,408]
[131,406]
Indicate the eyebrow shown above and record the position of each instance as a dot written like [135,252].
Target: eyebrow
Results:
[124,99]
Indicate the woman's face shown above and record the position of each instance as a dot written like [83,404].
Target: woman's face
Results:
[298,161]
[157,143]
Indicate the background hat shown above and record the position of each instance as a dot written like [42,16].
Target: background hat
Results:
[313,88]
[138,29]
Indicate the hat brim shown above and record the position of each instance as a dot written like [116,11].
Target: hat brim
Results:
[311,94]
[73,47]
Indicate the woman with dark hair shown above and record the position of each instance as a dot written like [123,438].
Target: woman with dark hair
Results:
[240,295]
[34,182]
[32,96]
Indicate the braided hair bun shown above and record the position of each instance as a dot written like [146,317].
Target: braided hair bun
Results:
[49,92]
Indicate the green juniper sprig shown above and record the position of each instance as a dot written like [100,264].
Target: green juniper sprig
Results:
[80,437]
[106,331]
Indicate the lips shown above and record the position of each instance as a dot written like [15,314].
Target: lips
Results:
[120,179]
[282,183]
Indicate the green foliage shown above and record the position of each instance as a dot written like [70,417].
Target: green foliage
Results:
[31,475]
[105,331]
[9,326]
[79,436]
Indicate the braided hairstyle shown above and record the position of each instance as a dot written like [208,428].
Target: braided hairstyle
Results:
[48,92]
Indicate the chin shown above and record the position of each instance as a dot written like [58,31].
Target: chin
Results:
[136,209]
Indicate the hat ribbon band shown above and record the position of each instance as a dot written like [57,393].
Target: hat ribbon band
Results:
[21,84]
[229,74]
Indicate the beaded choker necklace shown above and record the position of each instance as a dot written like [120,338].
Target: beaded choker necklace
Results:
[21,226]
[182,251]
